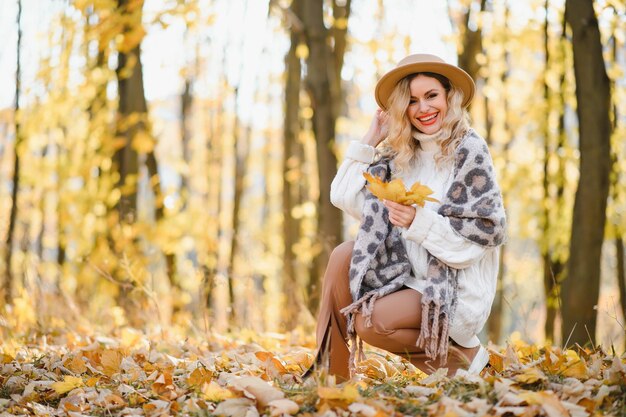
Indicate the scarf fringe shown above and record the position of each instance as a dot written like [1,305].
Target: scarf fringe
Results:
[434,332]
[365,306]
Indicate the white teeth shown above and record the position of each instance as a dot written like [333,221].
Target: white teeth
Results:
[428,118]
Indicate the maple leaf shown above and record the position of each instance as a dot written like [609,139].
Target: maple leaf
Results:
[349,393]
[530,376]
[68,384]
[214,393]
[258,389]
[574,367]
[396,191]
[550,403]
[283,406]
[200,376]
[111,360]
[236,407]
[418,194]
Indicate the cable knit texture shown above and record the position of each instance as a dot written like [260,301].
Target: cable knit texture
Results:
[468,247]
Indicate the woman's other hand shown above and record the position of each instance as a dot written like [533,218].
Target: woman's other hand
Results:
[399,214]
[378,129]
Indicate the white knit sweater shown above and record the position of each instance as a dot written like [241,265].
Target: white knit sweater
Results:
[477,265]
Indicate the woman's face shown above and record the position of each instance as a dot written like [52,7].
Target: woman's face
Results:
[428,104]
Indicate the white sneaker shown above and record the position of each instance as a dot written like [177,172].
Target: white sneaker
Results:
[480,361]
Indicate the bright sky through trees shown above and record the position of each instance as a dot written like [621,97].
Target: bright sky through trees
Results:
[165,51]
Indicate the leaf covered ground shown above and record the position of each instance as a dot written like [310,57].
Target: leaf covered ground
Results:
[250,375]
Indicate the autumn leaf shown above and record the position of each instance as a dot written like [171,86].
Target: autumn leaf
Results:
[273,366]
[111,360]
[283,406]
[547,400]
[200,376]
[68,384]
[363,409]
[76,365]
[377,368]
[214,393]
[258,389]
[395,190]
[392,190]
[349,393]
[235,407]
[418,194]
[530,376]
[574,367]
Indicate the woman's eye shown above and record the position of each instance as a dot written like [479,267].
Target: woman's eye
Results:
[432,96]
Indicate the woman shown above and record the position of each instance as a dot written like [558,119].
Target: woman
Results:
[417,281]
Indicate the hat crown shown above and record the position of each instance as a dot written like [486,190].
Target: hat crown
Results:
[419,63]
[418,58]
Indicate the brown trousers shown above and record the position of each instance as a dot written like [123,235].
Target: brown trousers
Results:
[396,321]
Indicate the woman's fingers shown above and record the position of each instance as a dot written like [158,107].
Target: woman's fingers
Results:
[400,215]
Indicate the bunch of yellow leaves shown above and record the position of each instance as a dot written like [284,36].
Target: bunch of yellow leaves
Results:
[396,191]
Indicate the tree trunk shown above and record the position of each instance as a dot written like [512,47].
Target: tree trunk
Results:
[241,157]
[185,134]
[619,236]
[549,275]
[159,214]
[472,45]
[289,164]
[339,31]
[320,82]
[216,153]
[621,272]
[581,288]
[8,279]
[131,100]
[131,124]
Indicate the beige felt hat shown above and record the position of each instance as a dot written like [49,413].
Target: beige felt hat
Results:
[423,63]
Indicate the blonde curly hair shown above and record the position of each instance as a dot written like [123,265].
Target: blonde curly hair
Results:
[400,144]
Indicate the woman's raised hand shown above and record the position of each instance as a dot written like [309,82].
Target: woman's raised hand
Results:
[378,129]
[399,214]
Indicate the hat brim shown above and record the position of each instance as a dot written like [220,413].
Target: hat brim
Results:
[456,75]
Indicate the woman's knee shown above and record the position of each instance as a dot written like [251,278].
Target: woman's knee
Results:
[338,266]
[375,334]
[342,251]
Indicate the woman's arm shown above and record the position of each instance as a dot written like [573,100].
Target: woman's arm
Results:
[435,234]
[346,190]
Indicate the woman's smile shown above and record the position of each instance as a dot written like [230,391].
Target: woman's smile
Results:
[427,105]
[429,119]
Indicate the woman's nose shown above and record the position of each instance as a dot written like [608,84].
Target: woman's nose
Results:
[423,106]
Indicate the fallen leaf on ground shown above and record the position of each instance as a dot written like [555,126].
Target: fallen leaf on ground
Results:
[68,384]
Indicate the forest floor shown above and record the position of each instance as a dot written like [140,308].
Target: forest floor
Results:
[128,373]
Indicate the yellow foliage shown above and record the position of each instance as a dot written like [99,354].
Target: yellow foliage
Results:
[574,367]
[302,51]
[348,393]
[143,142]
[111,360]
[214,393]
[549,402]
[395,190]
[199,377]
[530,376]
[68,384]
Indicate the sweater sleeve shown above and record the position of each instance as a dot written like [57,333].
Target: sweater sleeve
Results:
[347,188]
[435,234]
